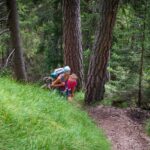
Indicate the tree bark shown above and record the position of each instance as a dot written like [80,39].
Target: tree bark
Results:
[19,66]
[72,38]
[100,54]
[140,93]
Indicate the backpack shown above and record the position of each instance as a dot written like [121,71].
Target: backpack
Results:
[59,71]
[56,73]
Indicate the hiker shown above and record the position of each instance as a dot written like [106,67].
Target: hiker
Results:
[64,82]
[61,80]
[70,86]
[53,76]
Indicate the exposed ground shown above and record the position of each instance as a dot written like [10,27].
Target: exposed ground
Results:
[123,127]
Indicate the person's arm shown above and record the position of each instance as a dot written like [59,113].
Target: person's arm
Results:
[58,85]
[58,82]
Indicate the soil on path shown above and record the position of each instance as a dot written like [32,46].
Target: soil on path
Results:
[123,127]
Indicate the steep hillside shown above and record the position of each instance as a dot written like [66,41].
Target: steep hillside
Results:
[31,118]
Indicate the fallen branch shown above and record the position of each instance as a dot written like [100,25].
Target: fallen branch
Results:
[8,58]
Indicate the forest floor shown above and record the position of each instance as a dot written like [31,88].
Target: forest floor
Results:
[123,127]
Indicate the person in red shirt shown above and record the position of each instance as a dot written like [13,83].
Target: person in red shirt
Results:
[71,85]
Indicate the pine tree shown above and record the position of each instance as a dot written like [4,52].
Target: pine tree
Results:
[72,38]
[100,55]
[19,66]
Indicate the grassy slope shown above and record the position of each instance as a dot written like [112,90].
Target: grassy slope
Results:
[31,118]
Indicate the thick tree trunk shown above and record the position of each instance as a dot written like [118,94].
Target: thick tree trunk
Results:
[19,66]
[99,58]
[72,38]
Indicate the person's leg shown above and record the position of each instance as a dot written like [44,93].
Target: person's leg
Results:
[70,99]
[69,95]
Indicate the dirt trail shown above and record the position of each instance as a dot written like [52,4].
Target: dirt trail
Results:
[124,127]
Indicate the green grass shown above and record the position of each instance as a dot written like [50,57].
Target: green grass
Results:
[148,127]
[34,119]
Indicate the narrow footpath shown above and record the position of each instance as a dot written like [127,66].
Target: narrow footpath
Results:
[123,127]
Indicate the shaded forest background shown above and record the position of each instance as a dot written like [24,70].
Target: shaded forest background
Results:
[41,27]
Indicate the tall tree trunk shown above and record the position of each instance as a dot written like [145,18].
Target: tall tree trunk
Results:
[19,66]
[140,94]
[72,38]
[100,55]
[3,17]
